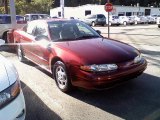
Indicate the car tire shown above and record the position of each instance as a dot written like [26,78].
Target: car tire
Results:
[20,53]
[61,77]
[5,37]
[124,23]
[110,23]
[158,26]
[93,24]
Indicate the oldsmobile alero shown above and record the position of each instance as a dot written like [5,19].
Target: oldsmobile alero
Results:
[77,55]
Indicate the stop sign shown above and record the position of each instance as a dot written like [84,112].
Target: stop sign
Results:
[108,7]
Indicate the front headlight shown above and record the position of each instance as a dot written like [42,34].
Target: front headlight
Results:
[9,94]
[137,59]
[99,68]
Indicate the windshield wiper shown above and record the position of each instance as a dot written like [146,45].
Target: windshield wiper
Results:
[87,37]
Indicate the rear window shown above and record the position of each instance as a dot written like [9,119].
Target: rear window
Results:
[34,17]
[101,16]
[115,17]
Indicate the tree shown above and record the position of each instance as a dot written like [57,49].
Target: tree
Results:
[34,6]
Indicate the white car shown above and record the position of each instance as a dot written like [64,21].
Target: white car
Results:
[151,19]
[12,104]
[124,20]
[30,17]
[113,20]
[136,19]
[158,21]
[144,19]
[5,25]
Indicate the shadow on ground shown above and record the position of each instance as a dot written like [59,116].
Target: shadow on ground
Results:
[8,48]
[36,108]
[135,100]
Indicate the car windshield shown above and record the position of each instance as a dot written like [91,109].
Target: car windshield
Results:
[70,30]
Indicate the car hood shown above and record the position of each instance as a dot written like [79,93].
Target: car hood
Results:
[7,74]
[100,50]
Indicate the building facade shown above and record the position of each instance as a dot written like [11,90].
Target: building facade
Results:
[82,11]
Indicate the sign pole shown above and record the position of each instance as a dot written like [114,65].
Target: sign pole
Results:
[108,23]
[108,8]
[62,8]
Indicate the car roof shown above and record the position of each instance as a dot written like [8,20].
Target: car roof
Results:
[35,14]
[53,19]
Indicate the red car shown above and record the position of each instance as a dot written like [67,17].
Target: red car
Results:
[77,55]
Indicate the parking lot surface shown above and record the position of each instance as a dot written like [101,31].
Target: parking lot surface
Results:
[134,100]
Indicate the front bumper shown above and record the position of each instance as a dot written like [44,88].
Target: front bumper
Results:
[104,80]
[15,110]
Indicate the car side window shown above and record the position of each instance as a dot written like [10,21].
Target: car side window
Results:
[40,30]
[30,28]
[26,17]
[34,17]
[84,30]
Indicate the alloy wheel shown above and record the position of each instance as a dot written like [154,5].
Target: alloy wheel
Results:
[61,77]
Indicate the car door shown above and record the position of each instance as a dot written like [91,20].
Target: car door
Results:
[27,38]
[41,45]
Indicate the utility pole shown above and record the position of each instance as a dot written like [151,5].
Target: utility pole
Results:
[13,13]
[62,8]
[108,23]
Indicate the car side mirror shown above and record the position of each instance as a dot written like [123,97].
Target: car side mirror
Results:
[41,37]
[98,31]
[2,42]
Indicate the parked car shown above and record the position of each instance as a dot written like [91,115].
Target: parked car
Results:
[124,20]
[6,19]
[93,20]
[12,104]
[30,17]
[113,20]
[143,19]
[158,21]
[5,24]
[136,19]
[151,19]
[77,55]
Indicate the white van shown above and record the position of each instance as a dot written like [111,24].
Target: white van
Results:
[30,17]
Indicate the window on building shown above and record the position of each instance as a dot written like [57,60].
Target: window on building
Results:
[128,13]
[87,12]
[147,11]
[121,13]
